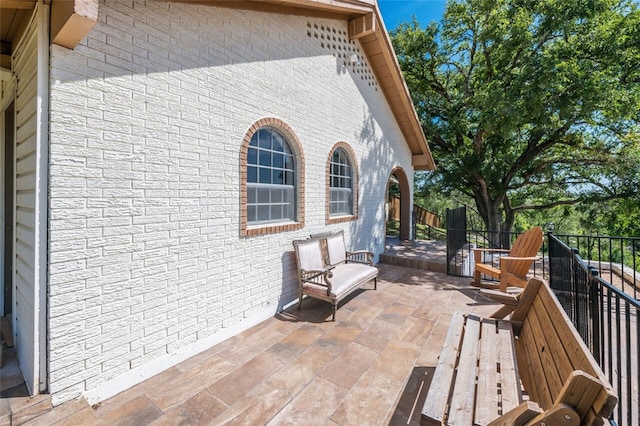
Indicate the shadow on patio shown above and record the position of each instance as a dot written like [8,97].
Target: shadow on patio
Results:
[371,366]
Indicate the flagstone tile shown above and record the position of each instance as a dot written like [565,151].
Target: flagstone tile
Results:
[347,368]
[242,380]
[197,410]
[312,406]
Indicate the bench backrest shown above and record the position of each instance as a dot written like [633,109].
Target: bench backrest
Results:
[309,254]
[555,364]
[336,251]
[333,245]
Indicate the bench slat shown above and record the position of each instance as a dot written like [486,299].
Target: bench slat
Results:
[487,399]
[549,349]
[579,354]
[464,391]
[511,390]
[529,362]
[439,391]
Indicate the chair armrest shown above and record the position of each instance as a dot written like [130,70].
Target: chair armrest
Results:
[508,258]
[490,250]
[477,253]
[362,256]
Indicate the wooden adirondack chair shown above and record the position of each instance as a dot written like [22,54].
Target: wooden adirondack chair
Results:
[514,266]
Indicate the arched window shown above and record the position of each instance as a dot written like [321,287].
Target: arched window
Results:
[272,180]
[342,177]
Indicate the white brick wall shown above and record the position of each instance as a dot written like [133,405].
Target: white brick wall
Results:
[148,116]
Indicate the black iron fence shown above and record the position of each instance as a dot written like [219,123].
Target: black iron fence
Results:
[607,318]
[457,247]
[460,251]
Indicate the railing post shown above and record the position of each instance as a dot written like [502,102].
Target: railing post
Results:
[594,296]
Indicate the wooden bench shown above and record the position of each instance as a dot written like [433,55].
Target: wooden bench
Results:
[533,369]
[327,271]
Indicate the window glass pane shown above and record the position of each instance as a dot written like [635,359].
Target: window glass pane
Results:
[263,212]
[278,177]
[276,212]
[289,213]
[254,140]
[288,195]
[277,141]
[251,213]
[252,156]
[276,196]
[251,195]
[288,178]
[263,195]
[252,174]
[278,160]
[288,163]
[265,175]
[265,158]
[264,137]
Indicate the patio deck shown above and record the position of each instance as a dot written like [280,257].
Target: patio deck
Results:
[372,366]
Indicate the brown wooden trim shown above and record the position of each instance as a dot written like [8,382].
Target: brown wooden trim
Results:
[362,26]
[72,20]
[17,4]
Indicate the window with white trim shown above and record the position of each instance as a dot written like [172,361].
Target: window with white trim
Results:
[271,178]
[341,184]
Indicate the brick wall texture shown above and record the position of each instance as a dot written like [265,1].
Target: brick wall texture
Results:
[148,115]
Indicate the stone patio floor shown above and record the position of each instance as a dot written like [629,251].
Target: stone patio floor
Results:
[372,366]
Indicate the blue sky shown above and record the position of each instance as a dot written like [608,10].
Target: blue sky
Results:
[395,12]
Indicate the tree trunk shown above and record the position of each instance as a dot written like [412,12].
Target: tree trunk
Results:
[490,211]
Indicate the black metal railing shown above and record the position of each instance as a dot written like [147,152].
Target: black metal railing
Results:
[606,316]
[456,239]
[460,255]
[617,259]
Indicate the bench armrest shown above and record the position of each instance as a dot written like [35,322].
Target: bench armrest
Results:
[319,277]
[360,256]
[498,296]
[518,416]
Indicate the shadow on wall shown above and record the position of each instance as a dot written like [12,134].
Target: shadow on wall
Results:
[376,168]
[289,291]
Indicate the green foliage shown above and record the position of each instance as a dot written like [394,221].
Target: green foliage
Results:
[528,105]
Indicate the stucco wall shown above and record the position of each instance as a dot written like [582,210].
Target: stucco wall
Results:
[148,116]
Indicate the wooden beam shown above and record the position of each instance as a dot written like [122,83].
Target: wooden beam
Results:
[294,7]
[17,4]
[362,26]
[422,162]
[71,21]
[5,61]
